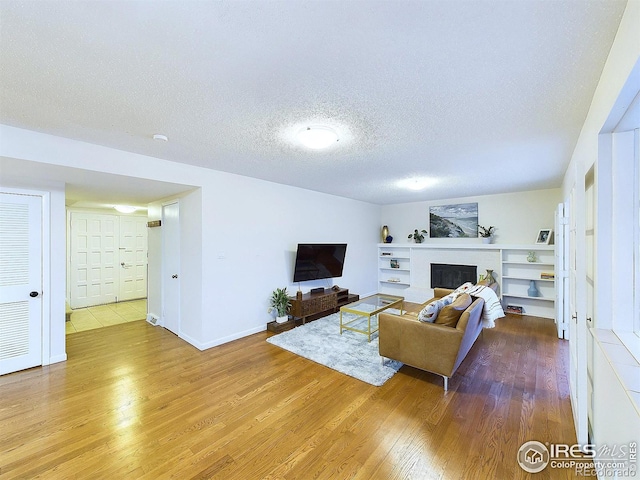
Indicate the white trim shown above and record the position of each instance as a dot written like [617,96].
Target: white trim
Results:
[46,278]
[636,242]
[620,151]
[223,340]
[58,358]
[468,246]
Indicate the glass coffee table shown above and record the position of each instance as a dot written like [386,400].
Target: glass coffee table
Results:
[362,316]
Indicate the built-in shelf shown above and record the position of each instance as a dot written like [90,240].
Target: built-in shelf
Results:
[517,274]
[543,299]
[504,277]
[509,262]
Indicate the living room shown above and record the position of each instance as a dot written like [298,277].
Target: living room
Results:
[238,234]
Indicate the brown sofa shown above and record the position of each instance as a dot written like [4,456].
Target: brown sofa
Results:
[430,346]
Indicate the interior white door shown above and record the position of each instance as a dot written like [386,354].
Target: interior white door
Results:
[20,282]
[562,287]
[577,324]
[94,256]
[171,267]
[589,282]
[133,258]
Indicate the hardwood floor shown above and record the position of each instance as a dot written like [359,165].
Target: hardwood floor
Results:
[134,401]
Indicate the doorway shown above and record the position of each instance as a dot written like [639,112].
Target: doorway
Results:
[107,258]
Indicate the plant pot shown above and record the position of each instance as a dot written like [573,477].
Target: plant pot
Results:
[487,239]
[284,318]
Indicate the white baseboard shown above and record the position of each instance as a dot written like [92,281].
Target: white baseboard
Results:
[57,358]
[219,341]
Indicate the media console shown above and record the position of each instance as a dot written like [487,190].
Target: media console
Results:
[311,306]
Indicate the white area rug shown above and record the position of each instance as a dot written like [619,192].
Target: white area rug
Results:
[349,353]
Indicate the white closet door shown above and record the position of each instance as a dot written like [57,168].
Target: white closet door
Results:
[20,282]
[133,258]
[94,256]
[171,267]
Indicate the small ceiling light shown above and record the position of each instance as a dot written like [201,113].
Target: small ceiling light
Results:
[160,138]
[318,137]
[416,183]
[125,208]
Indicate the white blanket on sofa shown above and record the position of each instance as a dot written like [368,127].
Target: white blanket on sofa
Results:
[492,309]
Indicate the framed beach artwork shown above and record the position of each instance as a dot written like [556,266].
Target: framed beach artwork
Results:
[544,236]
[453,221]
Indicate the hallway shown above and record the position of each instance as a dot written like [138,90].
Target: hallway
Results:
[106,315]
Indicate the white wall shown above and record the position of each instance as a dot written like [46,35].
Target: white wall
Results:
[517,216]
[238,234]
[57,339]
[615,413]
[251,244]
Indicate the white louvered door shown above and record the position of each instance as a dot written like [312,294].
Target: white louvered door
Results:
[20,282]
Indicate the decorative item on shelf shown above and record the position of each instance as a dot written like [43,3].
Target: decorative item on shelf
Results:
[418,236]
[532,257]
[393,263]
[280,304]
[533,290]
[385,234]
[489,278]
[544,236]
[486,233]
[547,275]
[389,239]
[517,309]
[394,280]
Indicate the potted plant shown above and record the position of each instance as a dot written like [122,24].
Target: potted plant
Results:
[280,303]
[486,233]
[418,236]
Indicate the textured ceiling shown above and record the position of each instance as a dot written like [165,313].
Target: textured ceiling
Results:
[429,88]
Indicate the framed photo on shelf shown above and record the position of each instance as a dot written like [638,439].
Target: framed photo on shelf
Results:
[544,236]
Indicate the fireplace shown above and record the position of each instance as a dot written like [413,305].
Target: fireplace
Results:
[452,276]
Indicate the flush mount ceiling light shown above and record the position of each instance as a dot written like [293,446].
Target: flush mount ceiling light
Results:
[318,137]
[416,183]
[160,138]
[125,208]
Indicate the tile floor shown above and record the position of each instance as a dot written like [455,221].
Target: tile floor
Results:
[105,315]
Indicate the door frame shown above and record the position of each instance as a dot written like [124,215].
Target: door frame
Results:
[45,321]
[562,271]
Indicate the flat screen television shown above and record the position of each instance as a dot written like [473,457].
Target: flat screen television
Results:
[319,260]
